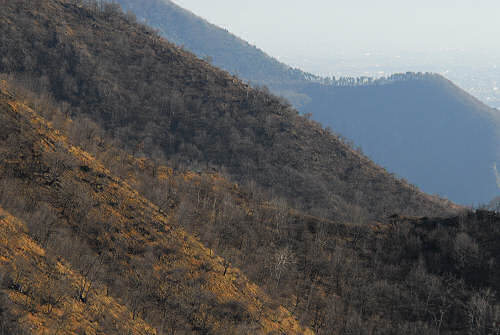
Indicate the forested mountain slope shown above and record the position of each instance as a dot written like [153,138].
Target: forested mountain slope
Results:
[98,235]
[419,126]
[88,254]
[163,101]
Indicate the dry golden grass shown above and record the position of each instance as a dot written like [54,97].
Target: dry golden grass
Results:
[20,255]
[131,220]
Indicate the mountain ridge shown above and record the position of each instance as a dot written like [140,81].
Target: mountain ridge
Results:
[195,114]
[343,103]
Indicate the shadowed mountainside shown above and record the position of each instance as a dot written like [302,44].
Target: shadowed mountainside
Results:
[427,130]
[419,126]
[162,101]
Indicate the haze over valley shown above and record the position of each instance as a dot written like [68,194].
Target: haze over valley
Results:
[334,38]
[478,74]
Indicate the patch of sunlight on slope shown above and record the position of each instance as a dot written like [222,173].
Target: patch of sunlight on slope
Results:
[119,202]
[34,274]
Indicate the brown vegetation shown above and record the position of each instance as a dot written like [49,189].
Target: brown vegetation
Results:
[160,101]
[152,247]
[406,276]
[119,249]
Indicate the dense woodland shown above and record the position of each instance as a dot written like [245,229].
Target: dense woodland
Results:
[163,190]
[418,125]
[409,275]
[164,102]
[94,256]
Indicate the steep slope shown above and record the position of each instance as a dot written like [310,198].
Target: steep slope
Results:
[92,261]
[421,127]
[37,292]
[160,100]
[119,258]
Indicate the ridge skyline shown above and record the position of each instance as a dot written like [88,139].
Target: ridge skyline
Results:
[475,69]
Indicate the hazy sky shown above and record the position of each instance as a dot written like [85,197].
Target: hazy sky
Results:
[313,27]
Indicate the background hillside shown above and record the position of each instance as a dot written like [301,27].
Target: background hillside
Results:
[419,126]
[423,128]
